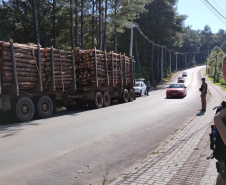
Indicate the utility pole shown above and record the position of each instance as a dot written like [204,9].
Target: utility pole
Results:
[170,64]
[162,66]
[194,58]
[131,41]
[176,60]
[215,71]
[185,60]
[206,60]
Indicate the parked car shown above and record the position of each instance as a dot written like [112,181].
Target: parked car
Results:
[139,88]
[181,80]
[184,74]
[176,90]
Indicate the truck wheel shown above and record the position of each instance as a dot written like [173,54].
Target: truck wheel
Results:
[98,100]
[106,99]
[131,95]
[23,109]
[125,96]
[43,107]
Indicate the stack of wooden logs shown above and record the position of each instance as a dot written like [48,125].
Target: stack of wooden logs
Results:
[63,69]
[28,75]
[26,60]
[85,67]
[117,68]
[129,77]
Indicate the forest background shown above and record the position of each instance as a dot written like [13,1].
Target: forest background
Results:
[106,24]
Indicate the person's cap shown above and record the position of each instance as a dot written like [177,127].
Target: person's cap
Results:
[203,79]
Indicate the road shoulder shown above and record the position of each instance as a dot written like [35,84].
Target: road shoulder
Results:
[181,159]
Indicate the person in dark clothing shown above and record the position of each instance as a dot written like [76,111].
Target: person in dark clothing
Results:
[203,90]
[219,121]
[155,85]
[148,86]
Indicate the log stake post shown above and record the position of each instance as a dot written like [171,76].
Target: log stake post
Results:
[39,86]
[120,63]
[0,81]
[95,64]
[133,70]
[15,83]
[40,67]
[131,63]
[53,70]
[73,69]
[112,69]
[125,75]
[106,67]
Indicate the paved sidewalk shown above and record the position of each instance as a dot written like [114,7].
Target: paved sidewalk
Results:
[182,158]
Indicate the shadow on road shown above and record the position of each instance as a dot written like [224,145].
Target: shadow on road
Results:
[8,127]
[201,113]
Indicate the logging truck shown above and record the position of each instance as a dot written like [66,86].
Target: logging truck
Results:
[34,81]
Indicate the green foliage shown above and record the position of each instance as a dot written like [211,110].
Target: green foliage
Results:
[215,64]
[158,19]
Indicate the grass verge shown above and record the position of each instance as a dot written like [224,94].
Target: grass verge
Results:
[218,84]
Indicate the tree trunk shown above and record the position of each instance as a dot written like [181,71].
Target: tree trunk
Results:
[72,32]
[82,25]
[152,63]
[36,22]
[100,26]
[105,25]
[93,6]
[54,23]
[97,30]
[76,24]
[116,36]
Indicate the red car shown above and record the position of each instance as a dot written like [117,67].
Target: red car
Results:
[176,90]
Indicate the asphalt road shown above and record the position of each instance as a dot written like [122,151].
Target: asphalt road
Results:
[80,147]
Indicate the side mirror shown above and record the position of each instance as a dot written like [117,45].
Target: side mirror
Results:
[185,87]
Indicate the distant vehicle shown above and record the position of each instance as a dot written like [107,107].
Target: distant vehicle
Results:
[184,74]
[140,80]
[176,90]
[181,80]
[139,88]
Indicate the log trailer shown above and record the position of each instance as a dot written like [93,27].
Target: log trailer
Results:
[34,81]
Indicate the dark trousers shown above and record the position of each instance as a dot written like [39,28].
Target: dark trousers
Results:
[220,181]
[203,100]
[147,91]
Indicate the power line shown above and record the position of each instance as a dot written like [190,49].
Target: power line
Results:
[215,9]
[215,13]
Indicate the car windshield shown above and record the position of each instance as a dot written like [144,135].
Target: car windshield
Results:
[176,86]
[137,84]
[180,78]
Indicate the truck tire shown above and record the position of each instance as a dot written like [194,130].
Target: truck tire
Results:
[43,107]
[106,99]
[125,96]
[98,100]
[131,95]
[23,109]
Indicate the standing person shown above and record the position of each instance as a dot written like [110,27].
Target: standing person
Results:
[148,86]
[203,90]
[219,121]
[155,85]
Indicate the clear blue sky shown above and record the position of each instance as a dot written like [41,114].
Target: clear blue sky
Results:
[200,15]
